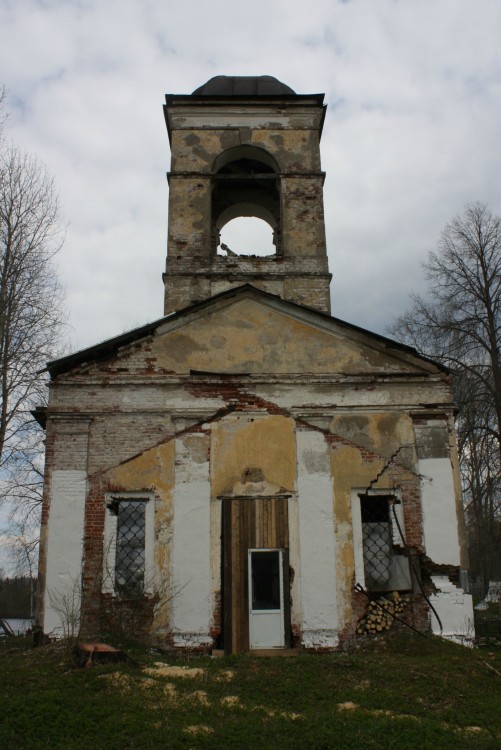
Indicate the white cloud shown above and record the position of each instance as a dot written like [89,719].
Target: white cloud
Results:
[412,129]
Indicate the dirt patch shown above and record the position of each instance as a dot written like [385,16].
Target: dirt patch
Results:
[200,696]
[271,713]
[199,729]
[231,700]
[364,685]
[119,680]
[170,691]
[159,669]
[225,675]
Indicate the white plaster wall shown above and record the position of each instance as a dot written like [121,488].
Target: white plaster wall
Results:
[191,565]
[64,545]
[440,524]
[316,541]
[455,609]
[346,393]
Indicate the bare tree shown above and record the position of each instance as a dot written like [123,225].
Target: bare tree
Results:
[459,324]
[481,478]
[24,537]
[31,312]
[3,109]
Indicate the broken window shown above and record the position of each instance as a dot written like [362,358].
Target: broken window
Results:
[128,553]
[382,539]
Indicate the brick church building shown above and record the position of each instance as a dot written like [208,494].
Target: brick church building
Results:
[249,472]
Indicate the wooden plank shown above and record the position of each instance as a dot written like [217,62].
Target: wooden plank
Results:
[268,510]
[244,541]
[236,576]
[284,523]
[287,598]
[274,542]
[259,521]
[279,523]
[226,576]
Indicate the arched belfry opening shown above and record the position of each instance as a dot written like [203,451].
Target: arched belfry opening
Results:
[247,236]
[246,183]
[245,148]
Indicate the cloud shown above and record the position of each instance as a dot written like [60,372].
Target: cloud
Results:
[411,134]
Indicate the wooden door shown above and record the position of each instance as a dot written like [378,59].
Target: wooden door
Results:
[250,523]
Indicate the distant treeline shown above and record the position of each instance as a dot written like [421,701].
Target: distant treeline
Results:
[15,596]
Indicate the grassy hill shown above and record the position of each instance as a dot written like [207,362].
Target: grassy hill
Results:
[405,692]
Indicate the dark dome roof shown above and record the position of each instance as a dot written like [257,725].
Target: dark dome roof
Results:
[243,86]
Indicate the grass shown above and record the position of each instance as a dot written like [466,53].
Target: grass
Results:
[404,692]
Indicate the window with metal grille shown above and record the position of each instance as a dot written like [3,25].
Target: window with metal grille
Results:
[385,567]
[128,545]
[130,551]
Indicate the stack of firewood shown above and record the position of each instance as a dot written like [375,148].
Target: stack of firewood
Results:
[381,613]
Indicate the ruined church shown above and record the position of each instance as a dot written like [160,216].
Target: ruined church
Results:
[248,472]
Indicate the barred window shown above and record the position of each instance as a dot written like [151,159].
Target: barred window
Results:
[376,534]
[127,561]
[130,553]
[384,565]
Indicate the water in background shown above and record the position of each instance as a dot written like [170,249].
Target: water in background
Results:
[18,626]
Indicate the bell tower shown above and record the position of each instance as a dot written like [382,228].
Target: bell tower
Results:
[245,146]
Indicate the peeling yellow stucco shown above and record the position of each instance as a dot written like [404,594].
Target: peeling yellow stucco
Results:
[154,470]
[253,455]
[250,337]
[382,432]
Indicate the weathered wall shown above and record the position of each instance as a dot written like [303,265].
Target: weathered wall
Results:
[321,415]
[61,540]
[290,138]
[153,470]
[315,566]
[191,555]
[252,454]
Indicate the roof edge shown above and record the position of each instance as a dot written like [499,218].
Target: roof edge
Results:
[110,346]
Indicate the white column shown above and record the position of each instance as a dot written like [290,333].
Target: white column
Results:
[440,523]
[64,551]
[191,571]
[316,539]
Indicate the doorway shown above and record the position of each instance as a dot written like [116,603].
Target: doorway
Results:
[266,599]
[255,573]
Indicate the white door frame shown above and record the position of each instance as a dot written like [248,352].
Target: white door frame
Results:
[266,626]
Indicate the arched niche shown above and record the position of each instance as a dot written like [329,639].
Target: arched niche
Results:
[246,209]
[246,183]
[250,153]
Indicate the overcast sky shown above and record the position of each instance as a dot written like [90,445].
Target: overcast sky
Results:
[412,130]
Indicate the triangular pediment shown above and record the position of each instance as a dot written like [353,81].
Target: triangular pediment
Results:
[247,331]
[255,335]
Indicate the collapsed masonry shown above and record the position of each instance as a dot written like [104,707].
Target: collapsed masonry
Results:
[244,472]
